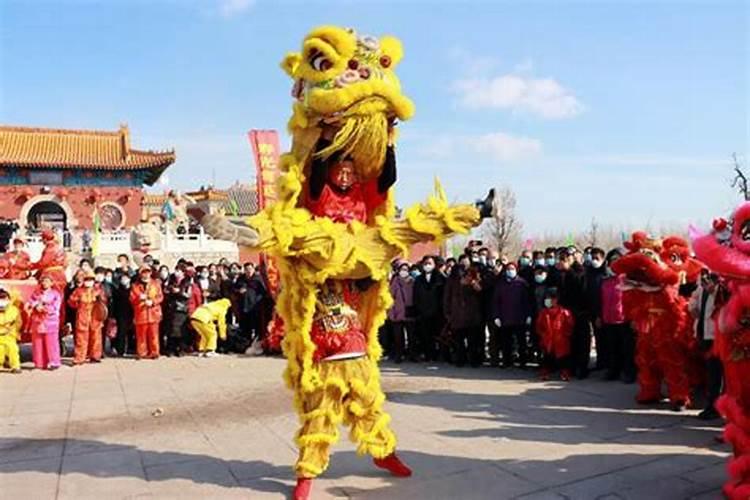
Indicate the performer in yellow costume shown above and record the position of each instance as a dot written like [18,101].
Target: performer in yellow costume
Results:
[210,321]
[334,232]
[10,332]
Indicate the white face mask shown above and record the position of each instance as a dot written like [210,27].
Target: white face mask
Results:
[125,282]
[403,274]
[88,283]
[596,263]
[4,303]
[428,268]
[547,302]
[204,275]
[179,275]
[99,278]
[164,275]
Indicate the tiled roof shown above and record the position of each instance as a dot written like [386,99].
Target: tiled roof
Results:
[246,199]
[89,149]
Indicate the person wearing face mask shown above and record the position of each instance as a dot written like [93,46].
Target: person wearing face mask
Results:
[594,273]
[122,311]
[210,286]
[43,311]
[571,296]
[428,307]
[526,266]
[177,294]
[538,259]
[618,335]
[555,327]
[512,314]
[401,312]
[90,304]
[106,286]
[123,268]
[146,298]
[10,333]
[462,307]
[537,292]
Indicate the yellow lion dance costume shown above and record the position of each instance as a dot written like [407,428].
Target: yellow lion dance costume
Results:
[334,267]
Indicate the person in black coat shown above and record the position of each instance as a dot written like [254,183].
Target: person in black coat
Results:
[592,289]
[428,307]
[122,311]
[570,285]
[177,293]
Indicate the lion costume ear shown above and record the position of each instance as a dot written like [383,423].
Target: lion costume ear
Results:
[291,62]
[391,46]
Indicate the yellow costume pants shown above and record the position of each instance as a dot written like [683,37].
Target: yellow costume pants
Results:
[208,335]
[9,350]
[350,394]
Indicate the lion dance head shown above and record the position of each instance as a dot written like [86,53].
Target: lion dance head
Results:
[644,263]
[348,80]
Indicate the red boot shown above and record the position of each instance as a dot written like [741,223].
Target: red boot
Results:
[565,375]
[303,488]
[394,465]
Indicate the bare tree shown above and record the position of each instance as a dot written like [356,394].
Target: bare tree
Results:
[503,229]
[740,179]
[593,232]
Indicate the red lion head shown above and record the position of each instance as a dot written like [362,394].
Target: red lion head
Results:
[643,262]
[676,254]
[726,250]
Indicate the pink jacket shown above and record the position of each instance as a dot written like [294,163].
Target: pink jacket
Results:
[612,311]
[47,320]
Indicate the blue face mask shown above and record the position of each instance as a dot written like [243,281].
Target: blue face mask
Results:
[539,278]
[539,262]
[511,274]
[587,258]
[551,261]
[525,261]
[415,274]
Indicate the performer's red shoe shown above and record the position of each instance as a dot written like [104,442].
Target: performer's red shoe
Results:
[565,375]
[303,488]
[394,465]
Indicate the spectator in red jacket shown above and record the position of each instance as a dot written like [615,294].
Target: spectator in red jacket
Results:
[146,298]
[555,328]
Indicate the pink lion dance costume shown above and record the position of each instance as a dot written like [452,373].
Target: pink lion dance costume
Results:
[659,317]
[726,251]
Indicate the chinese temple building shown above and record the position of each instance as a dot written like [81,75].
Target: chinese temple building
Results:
[63,178]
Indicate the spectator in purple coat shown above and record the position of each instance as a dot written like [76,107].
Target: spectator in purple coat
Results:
[512,313]
[400,314]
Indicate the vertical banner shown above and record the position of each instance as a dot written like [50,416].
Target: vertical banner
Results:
[266,152]
[265,144]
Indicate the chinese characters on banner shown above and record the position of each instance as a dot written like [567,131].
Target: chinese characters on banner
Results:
[265,144]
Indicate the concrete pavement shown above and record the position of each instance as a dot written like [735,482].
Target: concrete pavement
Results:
[226,432]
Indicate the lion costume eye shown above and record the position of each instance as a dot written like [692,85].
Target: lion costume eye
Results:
[318,61]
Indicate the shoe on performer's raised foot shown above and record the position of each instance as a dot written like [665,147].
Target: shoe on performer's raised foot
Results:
[303,489]
[486,206]
[394,465]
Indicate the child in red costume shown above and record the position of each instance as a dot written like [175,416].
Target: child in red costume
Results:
[554,325]
[90,304]
[146,298]
[336,192]
[19,261]
[53,260]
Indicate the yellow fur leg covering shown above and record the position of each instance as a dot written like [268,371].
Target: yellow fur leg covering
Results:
[349,392]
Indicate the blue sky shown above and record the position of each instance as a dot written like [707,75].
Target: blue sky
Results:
[624,111]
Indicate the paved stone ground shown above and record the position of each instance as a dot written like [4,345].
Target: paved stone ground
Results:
[227,427]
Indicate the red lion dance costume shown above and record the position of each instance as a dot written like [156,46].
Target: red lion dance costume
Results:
[726,251]
[659,317]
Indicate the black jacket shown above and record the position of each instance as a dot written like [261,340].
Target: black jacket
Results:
[428,295]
